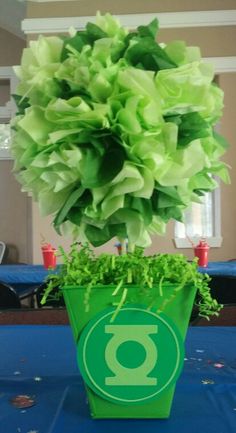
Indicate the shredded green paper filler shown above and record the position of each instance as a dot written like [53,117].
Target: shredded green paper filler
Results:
[160,276]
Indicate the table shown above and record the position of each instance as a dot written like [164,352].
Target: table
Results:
[23,277]
[220,268]
[23,274]
[35,274]
[40,361]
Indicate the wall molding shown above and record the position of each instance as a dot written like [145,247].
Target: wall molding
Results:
[212,18]
[5,155]
[222,64]
[213,242]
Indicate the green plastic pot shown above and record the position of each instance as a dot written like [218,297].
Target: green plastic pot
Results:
[179,310]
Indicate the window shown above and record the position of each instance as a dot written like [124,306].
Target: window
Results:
[5,136]
[200,221]
[8,82]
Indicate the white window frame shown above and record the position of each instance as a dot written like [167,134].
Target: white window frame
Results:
[214,241]
[8,110]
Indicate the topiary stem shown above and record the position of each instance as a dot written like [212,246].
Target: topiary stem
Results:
[131,247]
[123,246]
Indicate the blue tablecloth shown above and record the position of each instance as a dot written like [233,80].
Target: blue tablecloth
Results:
[220,268]
[35,274]
[23,277]
[40,361]
[23,274]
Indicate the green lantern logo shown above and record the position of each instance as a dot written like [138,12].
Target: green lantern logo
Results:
[133,359]
[126,376]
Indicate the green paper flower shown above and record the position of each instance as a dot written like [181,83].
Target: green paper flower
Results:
[114,132]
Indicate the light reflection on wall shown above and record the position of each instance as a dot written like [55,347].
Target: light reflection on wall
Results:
[5,136]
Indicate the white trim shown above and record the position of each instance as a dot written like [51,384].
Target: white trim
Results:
[5,110]
[222,64]
[167,20]
[6,72]
[216,196]
[5,154]
[213,242]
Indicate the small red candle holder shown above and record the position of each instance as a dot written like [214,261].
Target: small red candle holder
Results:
[201,251]
[49,257]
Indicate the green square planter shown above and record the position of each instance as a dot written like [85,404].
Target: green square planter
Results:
[178,310]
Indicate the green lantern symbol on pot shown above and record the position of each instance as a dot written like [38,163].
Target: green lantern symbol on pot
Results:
[137,357]
[140,335]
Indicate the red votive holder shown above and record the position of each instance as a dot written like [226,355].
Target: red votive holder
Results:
[201,251]
[49,257]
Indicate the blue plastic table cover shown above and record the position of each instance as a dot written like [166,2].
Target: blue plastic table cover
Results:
[40,361]
[23,274]
[35,274]
[227,269]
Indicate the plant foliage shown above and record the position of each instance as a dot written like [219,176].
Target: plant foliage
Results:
[114,131]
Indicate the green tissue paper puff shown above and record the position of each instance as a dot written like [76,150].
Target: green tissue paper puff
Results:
[114,133]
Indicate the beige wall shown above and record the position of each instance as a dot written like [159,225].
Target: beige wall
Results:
[214,41]
[228,192]
[42,228]
[4,92]
[10,48]
[15,220]
[85,7]
[14,205]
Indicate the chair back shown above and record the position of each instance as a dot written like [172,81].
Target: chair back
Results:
[8,297]
[54,300]
[2,250]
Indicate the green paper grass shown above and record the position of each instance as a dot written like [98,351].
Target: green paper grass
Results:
[150,274]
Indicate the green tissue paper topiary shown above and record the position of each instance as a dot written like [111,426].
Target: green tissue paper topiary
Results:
[114,131]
